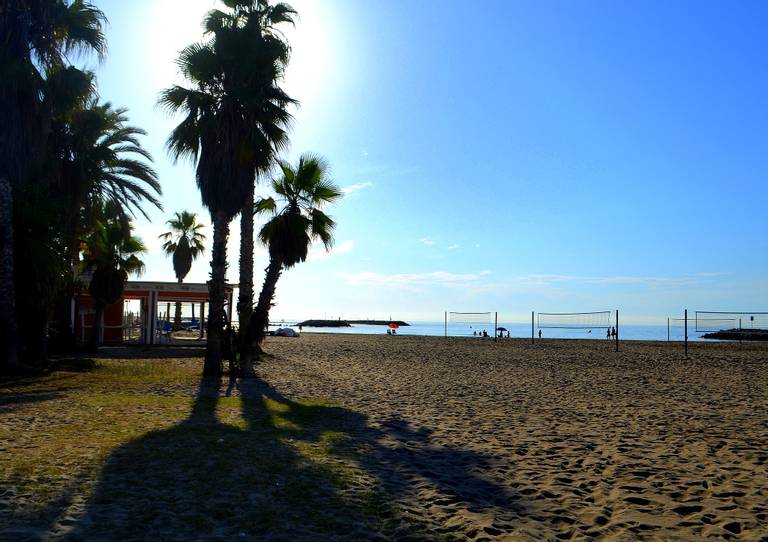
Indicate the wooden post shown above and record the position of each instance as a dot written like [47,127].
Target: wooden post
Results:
[686,333]
[667,328]
[531,327]
[495,327]
[202,319]
[617,330]
[446,324]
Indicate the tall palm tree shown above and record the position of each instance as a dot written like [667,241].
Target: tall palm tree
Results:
[111,254]
[184,243]
[296,221]
[233,113]
[35,35]
[262,20]
[103,160]
[94,155]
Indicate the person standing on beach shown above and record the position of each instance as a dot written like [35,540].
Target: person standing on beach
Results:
[539,334]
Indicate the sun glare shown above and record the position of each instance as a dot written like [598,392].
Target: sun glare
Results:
[174,25]
[171,29]
[312,46]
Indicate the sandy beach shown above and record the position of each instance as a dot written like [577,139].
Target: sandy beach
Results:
[562,440]
[351,437]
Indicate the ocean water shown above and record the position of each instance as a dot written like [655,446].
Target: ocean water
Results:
[517,330]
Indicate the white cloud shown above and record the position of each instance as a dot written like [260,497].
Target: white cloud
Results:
[355,187]
[434,278]
[427,241]
[453,247]
[319,253]
[624,280]
[150,234]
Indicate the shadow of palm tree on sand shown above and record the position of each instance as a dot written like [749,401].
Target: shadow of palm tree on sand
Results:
[281,470]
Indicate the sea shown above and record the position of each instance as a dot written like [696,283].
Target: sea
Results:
[627,332]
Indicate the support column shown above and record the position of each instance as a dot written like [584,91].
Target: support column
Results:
[202,319]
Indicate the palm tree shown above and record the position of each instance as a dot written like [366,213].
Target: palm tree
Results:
[35,35]
[102,162]
[111,254]
[233,115]
[271,115]
[94,155]
[184,243]
[297,220]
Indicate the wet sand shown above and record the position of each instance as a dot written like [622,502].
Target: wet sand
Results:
[561,440]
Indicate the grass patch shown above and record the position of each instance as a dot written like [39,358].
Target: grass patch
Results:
[132,449]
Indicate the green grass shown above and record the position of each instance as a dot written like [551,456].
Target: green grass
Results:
[130,450]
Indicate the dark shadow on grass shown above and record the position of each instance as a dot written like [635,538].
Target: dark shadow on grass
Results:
[9,400]
[288,470]
[21,391]
[150,352]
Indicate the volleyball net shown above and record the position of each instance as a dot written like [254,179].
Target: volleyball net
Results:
[575,320]
[470,324]
[711,321]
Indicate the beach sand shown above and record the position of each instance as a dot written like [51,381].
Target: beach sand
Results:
[429,439]
[561,440]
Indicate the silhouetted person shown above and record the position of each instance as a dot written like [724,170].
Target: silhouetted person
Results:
[539,334]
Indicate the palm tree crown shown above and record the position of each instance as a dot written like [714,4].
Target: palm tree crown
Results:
[185,242]
[297,218]
[111,246]
[35,38]
[99,164]
[234,114]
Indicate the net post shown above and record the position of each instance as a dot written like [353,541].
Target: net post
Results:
[532,327]
[446,324]
[686,333]
[617,330]
[495,327]
[667,328]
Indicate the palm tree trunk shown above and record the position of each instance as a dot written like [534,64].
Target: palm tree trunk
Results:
[260,318]
[177,315]
[216,316]
[245,297]
[8,334]
[93,344]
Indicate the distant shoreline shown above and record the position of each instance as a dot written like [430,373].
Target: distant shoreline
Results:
[348,323]
[738,335]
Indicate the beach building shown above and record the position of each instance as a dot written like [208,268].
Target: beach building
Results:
[151,322]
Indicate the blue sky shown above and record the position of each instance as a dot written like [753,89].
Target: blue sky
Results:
[501,156]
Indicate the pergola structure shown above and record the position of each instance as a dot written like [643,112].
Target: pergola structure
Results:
[151,296]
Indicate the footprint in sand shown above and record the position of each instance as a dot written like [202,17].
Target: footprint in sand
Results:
[687,510]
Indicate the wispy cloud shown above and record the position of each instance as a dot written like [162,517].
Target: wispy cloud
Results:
[377,171]
[433,278]
[427,241]
[355,187]
[319,253]
[621,280]
[453,247]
